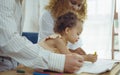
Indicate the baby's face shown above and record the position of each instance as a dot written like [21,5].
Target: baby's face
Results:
[75,33]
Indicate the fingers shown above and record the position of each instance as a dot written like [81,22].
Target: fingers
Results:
[92,58]
[79,64]
[78,61]
[78,57]
[73,63]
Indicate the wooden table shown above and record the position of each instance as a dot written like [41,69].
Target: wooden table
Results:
[28,71]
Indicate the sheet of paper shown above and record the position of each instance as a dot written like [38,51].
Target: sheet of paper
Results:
[99,66]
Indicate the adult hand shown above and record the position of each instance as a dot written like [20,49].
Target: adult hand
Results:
[73,62]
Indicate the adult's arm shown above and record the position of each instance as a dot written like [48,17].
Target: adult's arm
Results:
[12,44]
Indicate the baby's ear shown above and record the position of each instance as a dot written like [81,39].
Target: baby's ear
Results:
[67,30]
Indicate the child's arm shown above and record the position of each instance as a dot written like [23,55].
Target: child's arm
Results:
[78,51]
[61,46]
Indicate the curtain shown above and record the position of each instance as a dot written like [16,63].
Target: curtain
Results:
[97,32]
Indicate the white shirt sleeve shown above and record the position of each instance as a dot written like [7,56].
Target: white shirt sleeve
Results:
[12,44]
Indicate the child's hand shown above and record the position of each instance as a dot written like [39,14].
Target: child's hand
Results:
[91,57]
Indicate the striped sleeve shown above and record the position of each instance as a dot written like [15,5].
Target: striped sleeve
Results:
[12,44]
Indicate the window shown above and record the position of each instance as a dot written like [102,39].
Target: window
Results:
[116,34]
[116,27]
[97,32]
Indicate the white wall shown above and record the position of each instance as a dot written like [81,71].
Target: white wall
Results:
[97,32]
[97,36]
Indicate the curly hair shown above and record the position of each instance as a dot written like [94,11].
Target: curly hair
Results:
[60,7]
[67,20]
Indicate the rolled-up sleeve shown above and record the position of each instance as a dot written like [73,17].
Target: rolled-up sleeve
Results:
[12,44]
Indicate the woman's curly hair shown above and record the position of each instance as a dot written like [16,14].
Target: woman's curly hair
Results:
[60,7]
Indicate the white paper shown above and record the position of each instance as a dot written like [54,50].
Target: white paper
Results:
[99,66]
